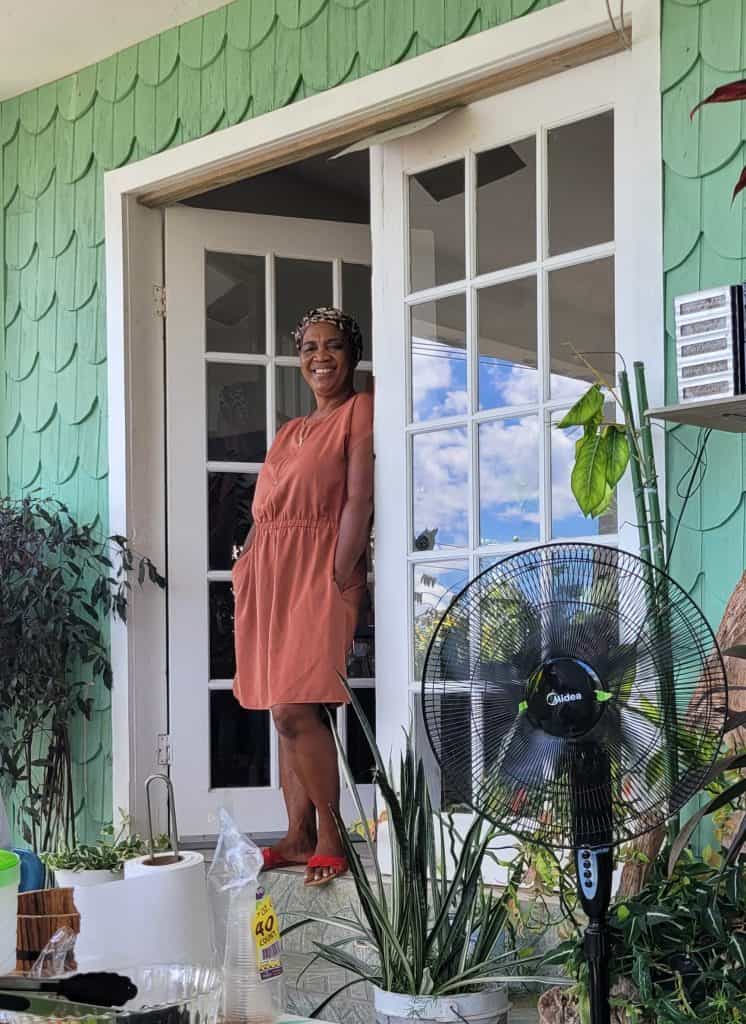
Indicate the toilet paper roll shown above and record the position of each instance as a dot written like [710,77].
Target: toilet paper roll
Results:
[139,867]
[154,915]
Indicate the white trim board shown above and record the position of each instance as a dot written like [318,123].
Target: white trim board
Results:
[134,243]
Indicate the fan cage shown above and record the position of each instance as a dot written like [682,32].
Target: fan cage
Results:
[661,712]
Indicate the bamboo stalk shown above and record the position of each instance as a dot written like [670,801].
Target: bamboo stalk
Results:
[635,467]
[649,472]
[649,501]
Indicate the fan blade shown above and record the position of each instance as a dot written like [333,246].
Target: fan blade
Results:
[526,764]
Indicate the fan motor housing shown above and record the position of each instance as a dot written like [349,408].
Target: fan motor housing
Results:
[562,697]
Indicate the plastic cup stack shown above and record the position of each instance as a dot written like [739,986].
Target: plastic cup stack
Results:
[246,1000]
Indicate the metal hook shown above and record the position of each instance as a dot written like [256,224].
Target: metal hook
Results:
[174,856]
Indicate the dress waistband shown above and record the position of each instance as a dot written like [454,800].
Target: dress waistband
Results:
[295,524]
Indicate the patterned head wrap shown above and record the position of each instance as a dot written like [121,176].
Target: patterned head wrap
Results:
[328,315]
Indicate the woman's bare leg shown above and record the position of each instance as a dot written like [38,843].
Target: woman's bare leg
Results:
[300,840]
[313,758]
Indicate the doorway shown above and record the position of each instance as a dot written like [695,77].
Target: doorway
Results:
[242,265]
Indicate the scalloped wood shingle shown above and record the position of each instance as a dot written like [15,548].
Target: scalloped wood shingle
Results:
[704,45]
[55,144]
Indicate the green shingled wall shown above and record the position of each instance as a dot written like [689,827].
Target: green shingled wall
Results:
[55,144]
[704,45]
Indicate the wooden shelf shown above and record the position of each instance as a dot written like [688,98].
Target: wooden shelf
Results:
[720,414]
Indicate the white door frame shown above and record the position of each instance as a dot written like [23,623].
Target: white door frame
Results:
[522,50]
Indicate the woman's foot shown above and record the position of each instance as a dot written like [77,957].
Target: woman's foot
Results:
[327,863]
[293,849]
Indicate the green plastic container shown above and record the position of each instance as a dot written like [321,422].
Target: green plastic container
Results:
[10,879]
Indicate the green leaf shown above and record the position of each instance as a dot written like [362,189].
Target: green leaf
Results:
[605,502]
[588,409]
[659,916]
[588,481]
[737,949]
[618,453]
[722,800]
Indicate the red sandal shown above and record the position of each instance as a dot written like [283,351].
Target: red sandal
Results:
[273,860]
[338,866]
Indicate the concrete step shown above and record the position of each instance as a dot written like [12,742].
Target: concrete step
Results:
[310,982]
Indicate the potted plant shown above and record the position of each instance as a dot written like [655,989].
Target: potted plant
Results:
[95,863]
[435,942]
[59,583]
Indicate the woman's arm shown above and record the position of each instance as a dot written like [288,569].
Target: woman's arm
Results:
[247,542]
[354,525]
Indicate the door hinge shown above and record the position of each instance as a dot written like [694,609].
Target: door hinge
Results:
[164,749]
[159,300]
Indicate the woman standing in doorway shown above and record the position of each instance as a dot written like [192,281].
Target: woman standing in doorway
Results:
[299,582]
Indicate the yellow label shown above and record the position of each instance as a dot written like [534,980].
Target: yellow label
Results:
[266,927]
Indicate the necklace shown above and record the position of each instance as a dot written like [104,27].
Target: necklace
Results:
[303,432]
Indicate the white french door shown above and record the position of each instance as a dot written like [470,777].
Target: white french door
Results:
[518,256]
[237,284]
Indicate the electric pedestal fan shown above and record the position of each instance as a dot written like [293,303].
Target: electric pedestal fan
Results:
[591,695]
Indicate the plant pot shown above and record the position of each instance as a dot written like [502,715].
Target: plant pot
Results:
[489,1006]
[66,879]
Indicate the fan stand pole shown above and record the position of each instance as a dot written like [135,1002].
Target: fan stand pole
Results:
[596,946]
[595,866]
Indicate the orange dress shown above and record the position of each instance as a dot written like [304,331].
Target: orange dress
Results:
[293,625]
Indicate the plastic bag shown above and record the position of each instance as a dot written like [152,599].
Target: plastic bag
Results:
[56,957]
[244,932]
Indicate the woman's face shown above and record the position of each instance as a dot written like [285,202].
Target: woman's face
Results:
[325,360]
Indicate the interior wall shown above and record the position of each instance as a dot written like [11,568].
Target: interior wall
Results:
[704,45]
[56,143]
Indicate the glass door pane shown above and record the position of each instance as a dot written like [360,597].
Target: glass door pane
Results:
[300,285]
[436,226]
[235,313]
[438,354]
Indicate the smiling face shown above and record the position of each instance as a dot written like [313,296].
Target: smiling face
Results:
[326,361]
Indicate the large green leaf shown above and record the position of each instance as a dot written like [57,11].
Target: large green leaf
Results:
[588,481]
[617,453]
[722,800]
[605,502]
[587,409]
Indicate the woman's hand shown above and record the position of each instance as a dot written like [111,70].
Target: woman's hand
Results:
[248,541]
[354,524]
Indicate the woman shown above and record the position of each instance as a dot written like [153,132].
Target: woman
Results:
[299,582]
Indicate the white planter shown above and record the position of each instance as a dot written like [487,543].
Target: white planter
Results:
[66,879]
[490,1006]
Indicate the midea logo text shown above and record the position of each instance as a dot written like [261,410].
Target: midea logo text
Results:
[555,699]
